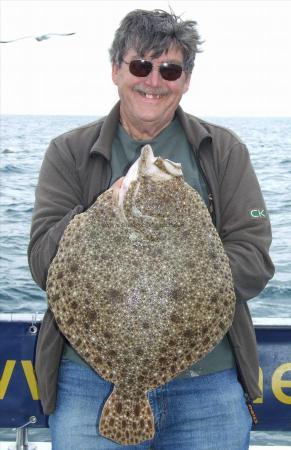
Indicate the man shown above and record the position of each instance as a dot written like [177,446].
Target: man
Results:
[205,407]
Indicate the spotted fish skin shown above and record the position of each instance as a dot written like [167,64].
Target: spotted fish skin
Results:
[127,420]
[142,288]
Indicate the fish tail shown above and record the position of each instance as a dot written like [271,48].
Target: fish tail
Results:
[127,420]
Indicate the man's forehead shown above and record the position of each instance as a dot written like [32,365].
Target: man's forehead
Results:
[172,54]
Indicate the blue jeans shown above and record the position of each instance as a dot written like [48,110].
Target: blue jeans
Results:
[199,413]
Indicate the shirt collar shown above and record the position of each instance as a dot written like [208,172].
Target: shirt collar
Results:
[194,130]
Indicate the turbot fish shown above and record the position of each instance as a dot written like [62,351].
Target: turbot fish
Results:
[142,288]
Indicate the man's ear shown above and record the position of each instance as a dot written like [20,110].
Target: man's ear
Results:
[114,73]
[187,82]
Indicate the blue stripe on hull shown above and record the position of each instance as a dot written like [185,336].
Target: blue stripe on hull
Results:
[19,400]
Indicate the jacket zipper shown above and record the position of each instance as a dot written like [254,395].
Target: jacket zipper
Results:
[209,193]
[211,209]
[250,406]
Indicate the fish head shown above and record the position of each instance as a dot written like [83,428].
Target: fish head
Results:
[150,171]
[147,188]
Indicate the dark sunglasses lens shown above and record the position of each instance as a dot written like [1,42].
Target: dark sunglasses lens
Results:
[171,72]
[140,68]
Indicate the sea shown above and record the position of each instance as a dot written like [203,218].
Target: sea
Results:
[24,139]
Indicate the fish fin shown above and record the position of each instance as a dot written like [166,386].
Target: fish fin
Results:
[127,420]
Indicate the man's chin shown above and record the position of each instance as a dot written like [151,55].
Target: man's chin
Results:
[149,117]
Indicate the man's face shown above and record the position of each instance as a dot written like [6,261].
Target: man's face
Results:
[151,99]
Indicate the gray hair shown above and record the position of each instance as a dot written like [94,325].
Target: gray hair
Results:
[156,32]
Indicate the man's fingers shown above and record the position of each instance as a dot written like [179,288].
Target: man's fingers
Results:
[117,184]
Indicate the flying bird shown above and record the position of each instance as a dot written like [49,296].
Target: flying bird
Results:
[42,37]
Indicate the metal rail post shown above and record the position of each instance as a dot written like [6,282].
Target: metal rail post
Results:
[22,436]
[22,439]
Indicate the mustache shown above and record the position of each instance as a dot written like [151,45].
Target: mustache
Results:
[153,91]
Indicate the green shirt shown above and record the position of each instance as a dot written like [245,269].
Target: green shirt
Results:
[172,144]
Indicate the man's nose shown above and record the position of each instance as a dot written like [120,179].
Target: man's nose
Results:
[154,77]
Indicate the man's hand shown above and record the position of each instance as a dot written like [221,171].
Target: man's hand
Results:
[117,184]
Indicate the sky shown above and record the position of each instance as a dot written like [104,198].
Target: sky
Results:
[244,69]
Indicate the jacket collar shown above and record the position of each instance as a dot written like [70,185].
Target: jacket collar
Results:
[195,131]
[108,127]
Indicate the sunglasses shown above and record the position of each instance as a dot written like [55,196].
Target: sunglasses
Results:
[142,68]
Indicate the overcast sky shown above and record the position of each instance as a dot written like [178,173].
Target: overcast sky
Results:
[244,70]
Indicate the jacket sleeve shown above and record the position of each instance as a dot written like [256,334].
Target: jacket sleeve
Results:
[57,200]
[245,227]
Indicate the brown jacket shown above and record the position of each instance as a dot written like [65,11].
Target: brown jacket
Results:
[76,169]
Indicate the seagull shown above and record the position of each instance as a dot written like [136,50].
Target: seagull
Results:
[43,37]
